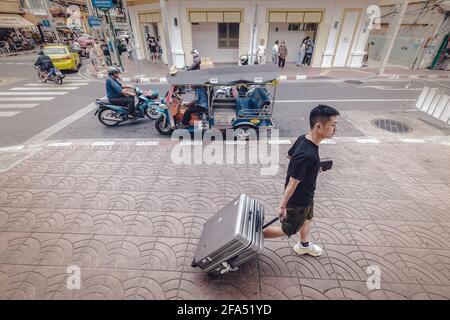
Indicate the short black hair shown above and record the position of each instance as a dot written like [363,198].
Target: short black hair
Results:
[277,42]
[321,113]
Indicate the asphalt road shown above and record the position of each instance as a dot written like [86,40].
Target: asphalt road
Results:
[31,112]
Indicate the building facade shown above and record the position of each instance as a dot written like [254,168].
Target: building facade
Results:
[225,30]
[422,35]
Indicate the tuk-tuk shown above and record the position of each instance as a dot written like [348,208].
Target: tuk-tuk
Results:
[241,98]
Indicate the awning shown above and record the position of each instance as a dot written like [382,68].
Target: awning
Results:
[14,21]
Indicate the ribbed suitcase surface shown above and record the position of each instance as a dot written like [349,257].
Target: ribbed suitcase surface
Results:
[231,237]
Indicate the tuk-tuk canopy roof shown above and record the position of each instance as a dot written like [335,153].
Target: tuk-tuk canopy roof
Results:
[255,74]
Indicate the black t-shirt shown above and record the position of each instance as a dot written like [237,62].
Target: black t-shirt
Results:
[304,166]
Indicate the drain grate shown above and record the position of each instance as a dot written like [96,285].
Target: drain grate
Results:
[392,125]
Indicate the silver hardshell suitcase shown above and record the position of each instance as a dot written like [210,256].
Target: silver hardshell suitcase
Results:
[231,237]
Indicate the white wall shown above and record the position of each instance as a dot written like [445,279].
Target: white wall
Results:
[208,31]
[293,40]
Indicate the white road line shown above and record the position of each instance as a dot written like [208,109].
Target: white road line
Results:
[328,141]
[367,140]
[386,88]
[59,144]
[15,148]
[47,85]
[27,99]
[103,143]
[32,93]
[147,143]
[39,88]
[45,134]
[279,141]
[8,113]
[413,140]
[345,100]
[18,105]
[70,77]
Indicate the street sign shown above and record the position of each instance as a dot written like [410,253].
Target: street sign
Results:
[103,4]
[46,23]
[94,22]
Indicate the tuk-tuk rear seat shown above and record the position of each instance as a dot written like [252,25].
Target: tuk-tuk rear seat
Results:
[249,105]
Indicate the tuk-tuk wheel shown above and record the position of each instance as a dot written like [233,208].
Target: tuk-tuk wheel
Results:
[163,126]
[244,132]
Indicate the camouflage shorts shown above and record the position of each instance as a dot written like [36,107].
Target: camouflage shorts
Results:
[295,217]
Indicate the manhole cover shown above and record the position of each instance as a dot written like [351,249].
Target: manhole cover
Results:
[392,125]
[353,81]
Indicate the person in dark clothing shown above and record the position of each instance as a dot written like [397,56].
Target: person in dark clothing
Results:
[106,53]
[153,46]
[199,104]
[45,64]
[117,93]
[196,62]
[297,206]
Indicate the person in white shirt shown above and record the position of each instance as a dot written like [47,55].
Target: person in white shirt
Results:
[275,52]
[261,53]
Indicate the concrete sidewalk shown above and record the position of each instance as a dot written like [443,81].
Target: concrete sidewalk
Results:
[150,72]
[131,220]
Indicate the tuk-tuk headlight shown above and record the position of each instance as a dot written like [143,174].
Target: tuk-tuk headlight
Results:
[255,121]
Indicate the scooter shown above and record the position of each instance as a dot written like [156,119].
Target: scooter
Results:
[57,77]
[111,115]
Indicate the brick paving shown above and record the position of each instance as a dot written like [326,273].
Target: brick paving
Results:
[132,220]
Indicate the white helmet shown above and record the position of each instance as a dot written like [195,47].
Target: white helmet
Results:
[195,53]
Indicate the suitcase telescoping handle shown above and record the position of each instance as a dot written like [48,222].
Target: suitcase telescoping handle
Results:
[270,222]
[325,164]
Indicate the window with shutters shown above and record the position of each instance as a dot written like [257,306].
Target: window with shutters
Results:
[228,35]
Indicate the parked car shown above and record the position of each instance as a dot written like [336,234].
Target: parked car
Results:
[63,57]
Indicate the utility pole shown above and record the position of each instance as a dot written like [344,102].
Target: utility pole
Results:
[113,40]
[392,35]
[50,19]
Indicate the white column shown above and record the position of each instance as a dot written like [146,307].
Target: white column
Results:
[176,40]
[333,18]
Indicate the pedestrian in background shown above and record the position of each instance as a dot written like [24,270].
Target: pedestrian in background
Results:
[301,53]
[282,54]
[93,56]
[129,48]
[106,53]
[275,52]
[261,53]
[309,51]
[152,45]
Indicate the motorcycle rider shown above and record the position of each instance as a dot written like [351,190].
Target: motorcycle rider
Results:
[117,93]
[197,61]
[45,64]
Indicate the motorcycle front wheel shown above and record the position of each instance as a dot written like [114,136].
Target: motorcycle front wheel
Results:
[105,115]
[152,114]
[58,80]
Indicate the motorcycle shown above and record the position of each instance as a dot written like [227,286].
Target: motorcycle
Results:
[111,115]
[57,77]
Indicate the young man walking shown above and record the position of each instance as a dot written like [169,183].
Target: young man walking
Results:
[297,206]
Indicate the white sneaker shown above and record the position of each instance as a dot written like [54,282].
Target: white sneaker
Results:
[311,249]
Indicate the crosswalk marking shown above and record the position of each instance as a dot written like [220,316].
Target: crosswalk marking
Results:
[50,85]
[18,105]
[27,98]
[73,77]
[8,113]
[32,93]
[45,88]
